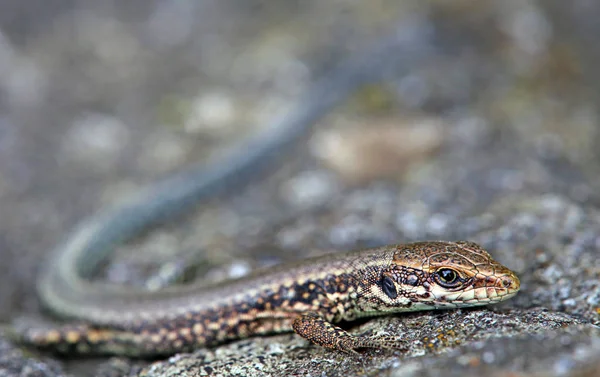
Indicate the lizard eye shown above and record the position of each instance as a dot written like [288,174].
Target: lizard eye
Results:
[447,278]
[388,287]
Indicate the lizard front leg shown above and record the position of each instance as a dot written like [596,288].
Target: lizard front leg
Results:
[318,330]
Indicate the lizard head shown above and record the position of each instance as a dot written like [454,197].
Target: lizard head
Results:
[432,275]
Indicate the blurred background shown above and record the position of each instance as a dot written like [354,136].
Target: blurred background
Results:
[498,117]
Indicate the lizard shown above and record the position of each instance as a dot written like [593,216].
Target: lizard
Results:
[309,298]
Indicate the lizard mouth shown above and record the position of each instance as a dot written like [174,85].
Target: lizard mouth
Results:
[484,291]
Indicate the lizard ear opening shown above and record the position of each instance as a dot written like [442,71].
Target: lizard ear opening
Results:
[388,287]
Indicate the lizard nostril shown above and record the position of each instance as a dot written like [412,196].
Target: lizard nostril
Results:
[510,282]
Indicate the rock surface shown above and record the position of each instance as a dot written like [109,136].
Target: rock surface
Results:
[98,101]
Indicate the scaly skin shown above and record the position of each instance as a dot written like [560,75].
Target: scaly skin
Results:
[307,298]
